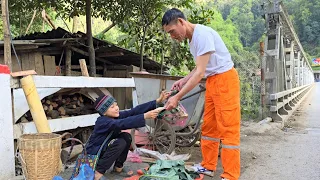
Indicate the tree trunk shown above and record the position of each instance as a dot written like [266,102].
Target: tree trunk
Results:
[75,24]
[68,62]
[142,48]
[90,40]
[7,35]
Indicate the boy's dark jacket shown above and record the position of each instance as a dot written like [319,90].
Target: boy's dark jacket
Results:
[133,118]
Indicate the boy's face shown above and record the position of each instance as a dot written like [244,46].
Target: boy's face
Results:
[113,111]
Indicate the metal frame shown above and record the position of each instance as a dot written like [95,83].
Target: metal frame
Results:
[284,66]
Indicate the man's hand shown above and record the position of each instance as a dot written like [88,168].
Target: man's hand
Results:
[164,95]
[172,103]
[178,84]
[153,113]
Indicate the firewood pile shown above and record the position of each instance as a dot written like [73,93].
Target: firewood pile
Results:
[61,106]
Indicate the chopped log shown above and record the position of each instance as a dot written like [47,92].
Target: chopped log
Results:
[45,108]
[62,111]
[54,105]
[48,102]
[81,99]
[79,103]
[75,98]
[54,114]
[68,100]
[50,108]
[78,111]
[60,97]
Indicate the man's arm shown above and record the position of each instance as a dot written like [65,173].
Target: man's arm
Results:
[195,78]
[190,75]
[198,74]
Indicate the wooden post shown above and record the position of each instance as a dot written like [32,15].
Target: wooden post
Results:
[68,62]
[6,134]
[92,59]
[7,35]
[83,66]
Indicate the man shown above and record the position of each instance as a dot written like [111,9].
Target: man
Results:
[222,98]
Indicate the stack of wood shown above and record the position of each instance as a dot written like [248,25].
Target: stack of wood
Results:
[61,106]
[66,106]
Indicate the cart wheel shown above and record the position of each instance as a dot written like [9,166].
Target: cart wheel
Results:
[161,138]
[187,141]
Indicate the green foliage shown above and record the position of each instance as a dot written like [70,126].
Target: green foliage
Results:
[306,20]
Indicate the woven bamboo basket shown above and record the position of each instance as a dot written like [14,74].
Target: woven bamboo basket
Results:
[41,155]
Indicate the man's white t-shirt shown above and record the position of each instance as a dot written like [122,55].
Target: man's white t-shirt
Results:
[204,40]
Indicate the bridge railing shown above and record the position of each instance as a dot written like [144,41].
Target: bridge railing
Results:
[284,103]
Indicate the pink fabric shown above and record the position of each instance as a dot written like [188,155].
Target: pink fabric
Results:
[133,157]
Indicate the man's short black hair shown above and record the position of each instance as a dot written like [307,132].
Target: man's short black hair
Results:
[172,15]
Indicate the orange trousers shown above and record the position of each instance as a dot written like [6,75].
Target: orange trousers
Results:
[222,124]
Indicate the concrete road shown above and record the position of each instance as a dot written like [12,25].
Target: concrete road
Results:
[293,155]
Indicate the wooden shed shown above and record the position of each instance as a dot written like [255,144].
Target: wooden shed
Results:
[57,53]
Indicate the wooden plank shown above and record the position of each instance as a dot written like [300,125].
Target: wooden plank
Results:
[15,64]
[78,82]
[49,65]
[28,61]
[39,63]
[57,125]
[84,69]
[23,73]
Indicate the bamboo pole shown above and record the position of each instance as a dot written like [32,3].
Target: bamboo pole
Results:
[34,102]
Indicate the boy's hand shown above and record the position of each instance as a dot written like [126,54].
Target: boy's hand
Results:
[153,113]
[164,95]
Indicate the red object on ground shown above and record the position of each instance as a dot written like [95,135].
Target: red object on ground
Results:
[136,177]
[201,177]
[4,69]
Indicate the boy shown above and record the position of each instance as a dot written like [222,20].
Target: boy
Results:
[111,119]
